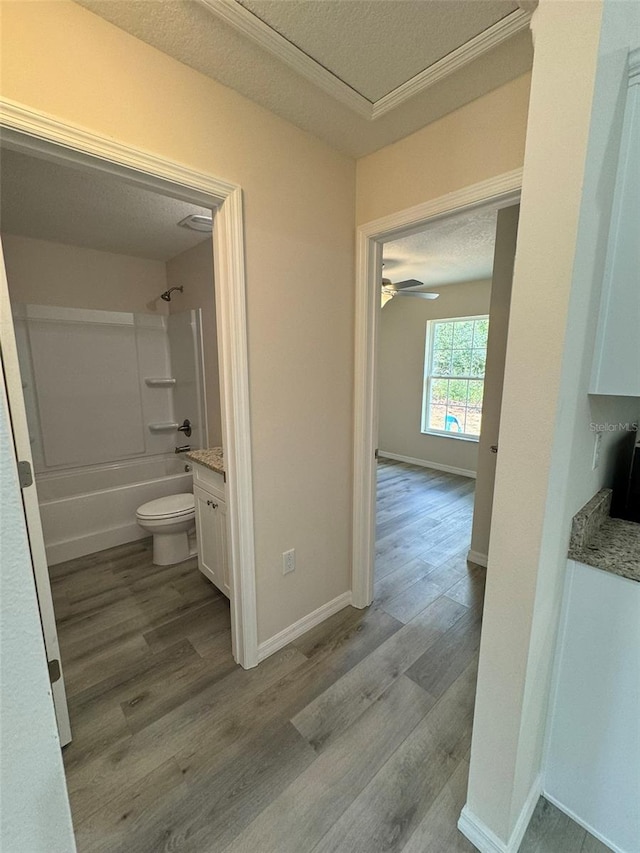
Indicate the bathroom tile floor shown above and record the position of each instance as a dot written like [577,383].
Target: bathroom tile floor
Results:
[354,738]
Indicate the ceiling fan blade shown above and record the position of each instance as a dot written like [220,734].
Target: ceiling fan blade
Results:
[408,283]
[422,295]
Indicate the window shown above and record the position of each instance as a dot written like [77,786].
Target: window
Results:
[454,364]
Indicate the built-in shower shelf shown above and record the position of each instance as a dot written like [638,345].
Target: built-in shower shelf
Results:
[163,427]
[161,382]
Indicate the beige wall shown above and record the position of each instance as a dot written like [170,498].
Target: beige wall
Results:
[298,202]
[193,269]
[44,273]
[503,259]
[401,370]
[480,140]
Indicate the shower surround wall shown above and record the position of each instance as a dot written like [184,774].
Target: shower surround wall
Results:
[103,406]
[88,502]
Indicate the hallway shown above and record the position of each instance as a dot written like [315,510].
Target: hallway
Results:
[354,738]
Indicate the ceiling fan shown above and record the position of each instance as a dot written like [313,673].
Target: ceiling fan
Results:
[410,287]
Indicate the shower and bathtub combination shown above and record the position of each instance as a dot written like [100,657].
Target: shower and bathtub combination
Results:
[108,395]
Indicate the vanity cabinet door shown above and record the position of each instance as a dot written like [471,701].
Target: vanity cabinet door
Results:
[211,533]
[221,536]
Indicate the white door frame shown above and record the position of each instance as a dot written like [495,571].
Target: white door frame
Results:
[501,191]
[28,130]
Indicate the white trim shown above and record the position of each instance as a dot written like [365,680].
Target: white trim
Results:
[288,635]
[255,29]
[69,549]
[30,130]
[583,823]
[484,42]
[478,558]
[500,191]
[486,841]
[424,463]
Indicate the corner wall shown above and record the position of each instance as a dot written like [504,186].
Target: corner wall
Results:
[194,270]
[501,283]
[41,272]
[544,467]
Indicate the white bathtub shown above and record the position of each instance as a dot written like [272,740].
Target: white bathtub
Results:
[93,508]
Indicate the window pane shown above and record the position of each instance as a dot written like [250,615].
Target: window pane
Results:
[461,362]
[463,334]
[474,420]
[439,391]
[437,416]
[458,392]
[478,361]
[442,362]
[443,334]
[481,331]
[476,388]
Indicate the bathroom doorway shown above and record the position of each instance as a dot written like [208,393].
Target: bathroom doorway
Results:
[201,193]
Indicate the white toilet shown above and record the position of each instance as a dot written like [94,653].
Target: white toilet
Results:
[171,520]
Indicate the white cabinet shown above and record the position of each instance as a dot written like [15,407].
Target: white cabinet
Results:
[211,527]
[616,363]
[593,740]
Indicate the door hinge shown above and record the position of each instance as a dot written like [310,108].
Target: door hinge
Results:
[24,474]
[375,453]
[54,670]
[494,448]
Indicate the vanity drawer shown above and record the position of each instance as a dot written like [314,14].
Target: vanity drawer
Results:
[209,480]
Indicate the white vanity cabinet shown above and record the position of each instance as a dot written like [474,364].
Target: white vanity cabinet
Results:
[211,526]
[616,363]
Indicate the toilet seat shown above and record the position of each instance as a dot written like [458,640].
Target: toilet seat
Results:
[172,506]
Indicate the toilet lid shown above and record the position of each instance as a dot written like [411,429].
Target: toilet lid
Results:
[172,505]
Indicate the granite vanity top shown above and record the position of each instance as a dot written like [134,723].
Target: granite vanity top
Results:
[598,540]
[212,458]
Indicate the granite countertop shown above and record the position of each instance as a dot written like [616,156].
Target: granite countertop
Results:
[212,458]
[598,540]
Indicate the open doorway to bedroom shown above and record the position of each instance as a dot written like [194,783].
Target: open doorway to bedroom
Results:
[441,342]
[432,353]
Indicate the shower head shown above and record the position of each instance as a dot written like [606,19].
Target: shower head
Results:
[167,294]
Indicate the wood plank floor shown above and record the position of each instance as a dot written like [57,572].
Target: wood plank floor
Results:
[354,738]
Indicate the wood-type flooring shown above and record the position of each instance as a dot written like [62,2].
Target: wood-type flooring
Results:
[353,739]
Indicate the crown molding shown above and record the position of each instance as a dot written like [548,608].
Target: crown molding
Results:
[250,26]
[452,62]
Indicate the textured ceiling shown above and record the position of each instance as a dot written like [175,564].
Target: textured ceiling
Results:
[376,45]
[456,249]
[84,208]
[374,55]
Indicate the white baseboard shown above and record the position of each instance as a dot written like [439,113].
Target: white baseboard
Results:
[583,823]
[477,557]
[463,472]
[486,841]
[69,549]
[288,635]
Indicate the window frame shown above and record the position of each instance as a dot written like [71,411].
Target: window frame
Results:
[428,377]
